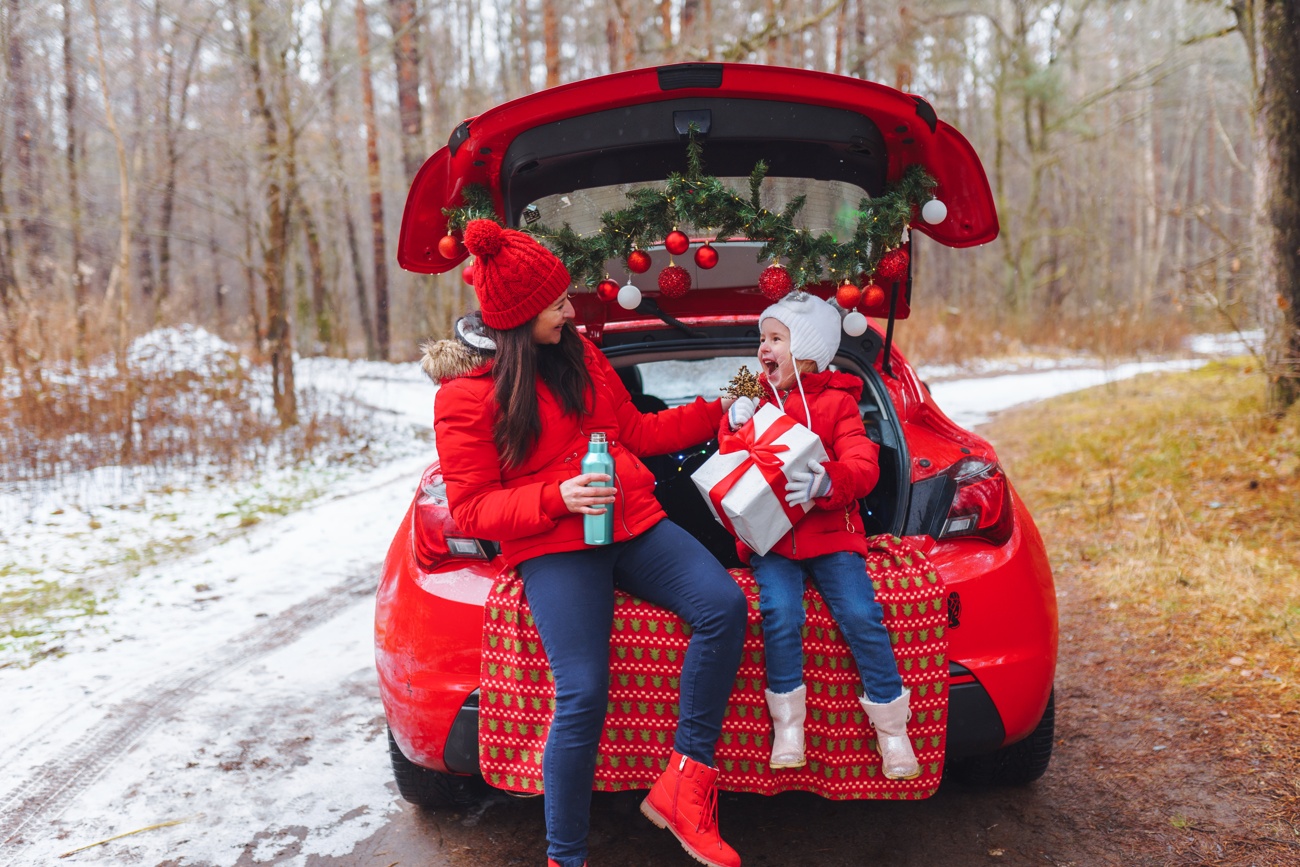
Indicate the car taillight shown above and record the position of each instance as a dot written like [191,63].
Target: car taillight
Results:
[981,506]
[435,536]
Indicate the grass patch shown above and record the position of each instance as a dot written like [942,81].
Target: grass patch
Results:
[34,618]
[1173,496]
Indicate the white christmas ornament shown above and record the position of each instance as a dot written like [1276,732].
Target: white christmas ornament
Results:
[855,324]
[934,211]
[629,296]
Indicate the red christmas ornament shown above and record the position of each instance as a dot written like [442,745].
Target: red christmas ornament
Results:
[848,295]
[607,290]
[467,274]
[450,247]
[638,262]
[674,281]
[873,299]
[893,266]
[676,242]
[706,257]
[775,282]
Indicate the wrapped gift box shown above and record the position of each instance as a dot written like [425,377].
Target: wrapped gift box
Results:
[744,482]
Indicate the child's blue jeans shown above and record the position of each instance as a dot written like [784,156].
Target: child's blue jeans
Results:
[843,582]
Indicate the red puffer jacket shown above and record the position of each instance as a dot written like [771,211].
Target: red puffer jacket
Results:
[521,507]
[834,523]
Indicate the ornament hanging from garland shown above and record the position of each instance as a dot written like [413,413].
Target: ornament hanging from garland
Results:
[674,281]
[629,297]
[467,274]
[607,290]
[676,242]
[873,299]
[706,257]
[893,266]
[855,324]
[450,247]
[775,282]
[848,295]
[638,261]
[934,211]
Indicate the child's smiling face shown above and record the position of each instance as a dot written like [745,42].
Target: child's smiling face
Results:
[774,355]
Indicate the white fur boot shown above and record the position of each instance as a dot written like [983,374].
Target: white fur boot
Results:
[898,760]
[788,711]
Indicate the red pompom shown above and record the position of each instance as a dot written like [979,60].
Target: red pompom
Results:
[775,282]
[893,266]
[676,242]
[449,247]
[873,301]
[607,290]
[848,295]
[674,281]
[706,257]
[638,262]
[467,274]
[483,237]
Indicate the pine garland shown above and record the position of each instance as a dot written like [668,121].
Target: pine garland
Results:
[700,200]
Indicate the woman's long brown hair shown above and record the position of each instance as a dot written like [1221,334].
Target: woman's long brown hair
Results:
[519,361]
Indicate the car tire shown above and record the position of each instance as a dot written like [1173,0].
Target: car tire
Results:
[424,787]
[1017,764]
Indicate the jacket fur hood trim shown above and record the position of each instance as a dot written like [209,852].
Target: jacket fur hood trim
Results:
[450,359]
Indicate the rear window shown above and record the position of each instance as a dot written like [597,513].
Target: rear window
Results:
[830,206]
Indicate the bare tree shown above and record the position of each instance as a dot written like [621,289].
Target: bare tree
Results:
[78,267]
[377,233]
[1270,28]
[406,57]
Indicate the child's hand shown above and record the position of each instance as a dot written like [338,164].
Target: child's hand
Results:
[807,484]
[741,411]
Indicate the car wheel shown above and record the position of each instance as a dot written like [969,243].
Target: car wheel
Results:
[428,788]
[1015,765]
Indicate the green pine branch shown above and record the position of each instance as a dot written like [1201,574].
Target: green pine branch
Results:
[705,203]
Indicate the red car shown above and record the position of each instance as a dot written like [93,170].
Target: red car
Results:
[569,155]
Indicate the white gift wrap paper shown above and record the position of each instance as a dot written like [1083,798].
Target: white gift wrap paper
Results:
[757,513]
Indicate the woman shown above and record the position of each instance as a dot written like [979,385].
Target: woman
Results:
[511,434]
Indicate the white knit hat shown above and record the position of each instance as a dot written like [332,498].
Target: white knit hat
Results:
[814,327]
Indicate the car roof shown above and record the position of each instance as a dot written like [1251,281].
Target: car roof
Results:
[631,127]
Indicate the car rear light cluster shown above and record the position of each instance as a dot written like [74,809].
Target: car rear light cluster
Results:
[434,535]
[981,505]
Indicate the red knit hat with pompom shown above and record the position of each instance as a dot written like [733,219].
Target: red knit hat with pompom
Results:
[515,278]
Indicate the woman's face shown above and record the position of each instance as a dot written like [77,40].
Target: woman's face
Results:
[549,324]
[774,355]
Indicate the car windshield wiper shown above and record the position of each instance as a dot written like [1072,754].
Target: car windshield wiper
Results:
[649,306]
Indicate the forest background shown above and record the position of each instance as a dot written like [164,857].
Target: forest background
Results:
[241,165]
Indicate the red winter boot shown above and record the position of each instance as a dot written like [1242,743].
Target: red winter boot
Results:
[685,801]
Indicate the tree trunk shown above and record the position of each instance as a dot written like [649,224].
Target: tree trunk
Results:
[1275,34]
[74,184]
[20,109]
[376,183]
[278,334]
[406,55]
[120,279]
[551,40]
[172,128]
[344,200]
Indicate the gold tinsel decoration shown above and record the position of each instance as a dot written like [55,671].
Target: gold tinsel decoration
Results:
[744,384]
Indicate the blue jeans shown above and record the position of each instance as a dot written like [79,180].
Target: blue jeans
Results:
[571,595]
[843,582]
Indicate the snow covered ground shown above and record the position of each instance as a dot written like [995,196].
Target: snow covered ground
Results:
[221,707]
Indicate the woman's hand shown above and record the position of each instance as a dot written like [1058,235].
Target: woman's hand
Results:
[583,498]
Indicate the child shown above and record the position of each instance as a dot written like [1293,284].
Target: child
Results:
[799,336]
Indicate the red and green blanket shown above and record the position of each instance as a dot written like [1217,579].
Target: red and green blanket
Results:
[517,697]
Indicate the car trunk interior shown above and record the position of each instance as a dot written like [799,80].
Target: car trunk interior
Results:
[637,356]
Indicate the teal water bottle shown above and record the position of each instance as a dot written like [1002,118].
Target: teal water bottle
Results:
[599,529]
